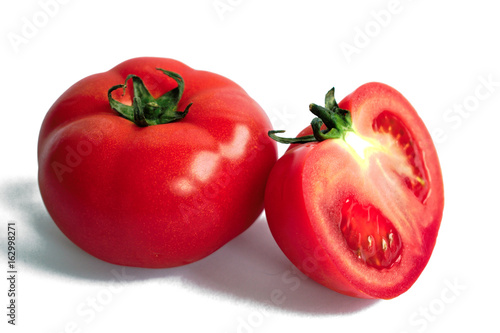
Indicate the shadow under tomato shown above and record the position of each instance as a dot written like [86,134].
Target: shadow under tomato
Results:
[250,267]
[253,267]
[44,246]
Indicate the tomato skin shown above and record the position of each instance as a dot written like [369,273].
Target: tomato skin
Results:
[157,196]
[310,182]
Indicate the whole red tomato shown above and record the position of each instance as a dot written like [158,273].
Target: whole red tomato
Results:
[357,199]
[160,172]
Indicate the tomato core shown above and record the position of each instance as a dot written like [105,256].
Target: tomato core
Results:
[387,123]
[370,235]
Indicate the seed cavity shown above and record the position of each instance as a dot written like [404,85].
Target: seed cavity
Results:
[387,124]
[371,236]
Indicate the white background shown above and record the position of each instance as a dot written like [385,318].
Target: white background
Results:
[286,54]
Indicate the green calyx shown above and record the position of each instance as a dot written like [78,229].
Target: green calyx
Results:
[145,109]
[337,121]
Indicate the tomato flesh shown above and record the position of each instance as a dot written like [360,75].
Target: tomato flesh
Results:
[370,235]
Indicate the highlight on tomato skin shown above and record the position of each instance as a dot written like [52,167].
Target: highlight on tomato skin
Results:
[362,186]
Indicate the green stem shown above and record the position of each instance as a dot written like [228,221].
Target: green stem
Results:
[145,109]
[336,120]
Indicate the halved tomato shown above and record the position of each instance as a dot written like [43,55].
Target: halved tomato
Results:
[356,201]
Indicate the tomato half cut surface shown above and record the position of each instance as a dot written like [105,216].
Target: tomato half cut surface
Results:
[356,201]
